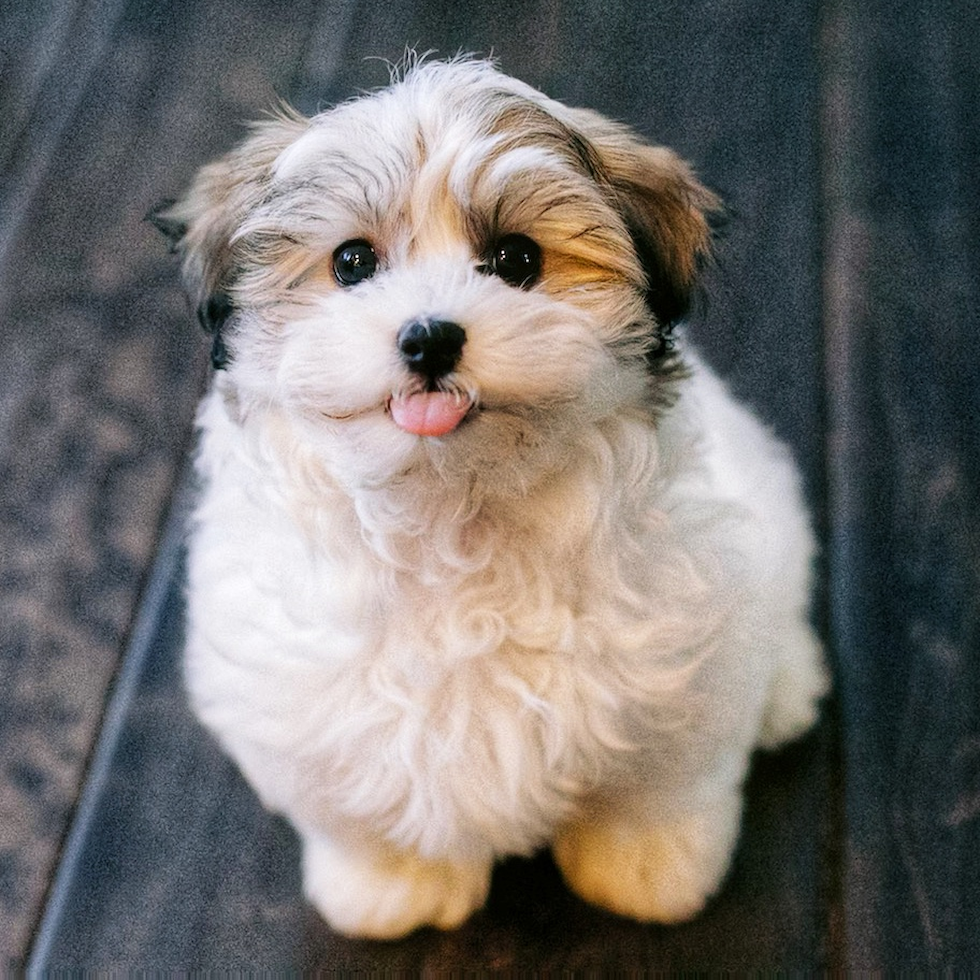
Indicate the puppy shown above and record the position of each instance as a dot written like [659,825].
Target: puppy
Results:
[481,562]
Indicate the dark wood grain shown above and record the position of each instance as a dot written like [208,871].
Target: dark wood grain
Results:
[903,288]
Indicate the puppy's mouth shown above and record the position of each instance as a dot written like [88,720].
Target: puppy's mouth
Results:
[429,413]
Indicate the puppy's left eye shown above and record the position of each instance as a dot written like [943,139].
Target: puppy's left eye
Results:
[516,259]
[354,262]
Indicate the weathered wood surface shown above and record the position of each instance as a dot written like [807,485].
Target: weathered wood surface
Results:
[902,289]
[845,138]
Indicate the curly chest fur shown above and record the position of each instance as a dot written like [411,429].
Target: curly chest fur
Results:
[471,683]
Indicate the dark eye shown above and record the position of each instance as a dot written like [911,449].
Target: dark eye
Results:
[516,259]
[353,262]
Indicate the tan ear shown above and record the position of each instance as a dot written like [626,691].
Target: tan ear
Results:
[669,213]
[201,226]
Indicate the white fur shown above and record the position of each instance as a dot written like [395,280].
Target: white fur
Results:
[570,620]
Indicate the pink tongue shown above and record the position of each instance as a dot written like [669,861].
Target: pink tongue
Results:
[429,413]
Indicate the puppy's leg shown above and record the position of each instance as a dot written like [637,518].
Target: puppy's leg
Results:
[798,683]
[383,893]
[651,870]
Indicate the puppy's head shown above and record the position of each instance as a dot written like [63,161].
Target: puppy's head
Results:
[454,272]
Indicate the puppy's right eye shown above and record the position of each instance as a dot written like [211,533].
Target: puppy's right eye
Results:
[354,262]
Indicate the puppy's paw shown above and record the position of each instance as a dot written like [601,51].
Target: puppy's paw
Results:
[800,682]
[383,894]
[653,872]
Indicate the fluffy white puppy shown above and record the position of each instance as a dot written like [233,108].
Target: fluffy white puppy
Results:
[481,562]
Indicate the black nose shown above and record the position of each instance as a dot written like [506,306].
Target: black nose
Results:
[431,347]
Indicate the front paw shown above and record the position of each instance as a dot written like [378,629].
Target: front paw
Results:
[651,871]
[384,894]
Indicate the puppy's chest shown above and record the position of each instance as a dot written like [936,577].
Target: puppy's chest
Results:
[510,647]
[508,631]
[408,669]
[512,607]
[485,599]
[498,672]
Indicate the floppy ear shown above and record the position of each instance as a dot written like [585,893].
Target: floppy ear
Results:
[201,226]
[669,213]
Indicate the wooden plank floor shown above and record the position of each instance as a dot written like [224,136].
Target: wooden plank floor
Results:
[845,137]
[902,286]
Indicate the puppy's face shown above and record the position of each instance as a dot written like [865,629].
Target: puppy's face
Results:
[454,273]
